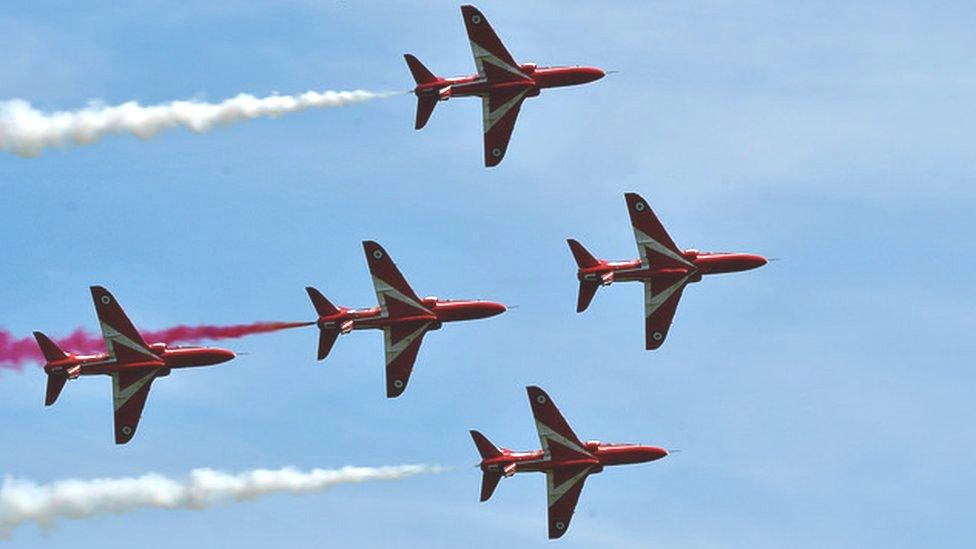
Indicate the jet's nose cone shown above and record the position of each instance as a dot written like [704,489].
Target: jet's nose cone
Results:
[592,73]
[223,355]
[654,452]
[490,308]
[753,261]
[737,262]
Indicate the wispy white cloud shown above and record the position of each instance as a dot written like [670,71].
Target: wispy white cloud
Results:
[23,501]
[27,131]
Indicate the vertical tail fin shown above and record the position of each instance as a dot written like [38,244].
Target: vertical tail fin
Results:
[323,306]
[584,258]
[489,480]
[420,73]
[49,349]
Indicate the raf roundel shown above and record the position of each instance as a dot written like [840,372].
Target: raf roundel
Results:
[378,254]
[476,19]
[639,206]
[127,430]
[658,336]
[560,525]
[106,299]
[541,399]
[496,152]
[398,383]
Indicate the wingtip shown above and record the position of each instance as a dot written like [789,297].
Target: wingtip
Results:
[374,250]
[535,391]
[632,197]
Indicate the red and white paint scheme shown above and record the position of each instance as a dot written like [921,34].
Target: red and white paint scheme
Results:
[565,460]
[132,363]
[403,317]
[664,269]
[501,83]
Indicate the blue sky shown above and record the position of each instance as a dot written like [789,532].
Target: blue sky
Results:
[823,400]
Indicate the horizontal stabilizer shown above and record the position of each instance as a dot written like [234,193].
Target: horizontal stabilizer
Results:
[425,107]
[323,306]
[485,447]
[587,290]
[55,383]
[420,73]
[327,339]
[584,259]
[489,481]
[49,349]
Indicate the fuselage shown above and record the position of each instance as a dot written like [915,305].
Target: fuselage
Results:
[603,454]
[537,79]
[702,263]
[169,358]
[441,311]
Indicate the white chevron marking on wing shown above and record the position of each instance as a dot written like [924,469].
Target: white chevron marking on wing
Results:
[481,55]
[645,241]
[546,434]
[113,337]
[556,493]
[395,350]
[492,117]
[653,302]
[123,395]
[383,290]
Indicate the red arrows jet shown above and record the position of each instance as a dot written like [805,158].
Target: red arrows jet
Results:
[563,458]
[501,83]
[403,317]
[132,363]
[664,269]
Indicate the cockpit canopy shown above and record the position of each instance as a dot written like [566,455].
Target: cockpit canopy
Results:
[528,68]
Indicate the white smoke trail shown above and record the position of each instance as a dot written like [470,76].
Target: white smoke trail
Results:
[26,131]
[23,501]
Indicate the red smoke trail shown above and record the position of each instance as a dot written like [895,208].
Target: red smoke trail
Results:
[15,352]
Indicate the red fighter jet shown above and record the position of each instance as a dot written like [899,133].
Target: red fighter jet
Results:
[664,269]
[132,363]
[403,317]
[501,83]
[564,459]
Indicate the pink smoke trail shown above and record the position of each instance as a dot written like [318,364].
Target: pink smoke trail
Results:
[15,352]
